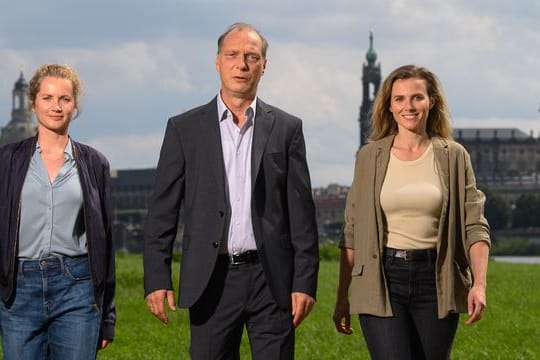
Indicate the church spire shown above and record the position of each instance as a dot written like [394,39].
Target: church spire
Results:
[371,55]
[371,80]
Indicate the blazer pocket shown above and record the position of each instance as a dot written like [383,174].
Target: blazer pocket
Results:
[358,270]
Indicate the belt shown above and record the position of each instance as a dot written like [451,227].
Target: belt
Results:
[48,263]
[247,257]
[411,255]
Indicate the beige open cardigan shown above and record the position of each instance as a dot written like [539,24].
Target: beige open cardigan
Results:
[462,223]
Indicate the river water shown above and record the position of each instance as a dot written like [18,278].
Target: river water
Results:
[518,259]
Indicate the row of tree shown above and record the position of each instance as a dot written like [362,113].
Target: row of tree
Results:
[524,214]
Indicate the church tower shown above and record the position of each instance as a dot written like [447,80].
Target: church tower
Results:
[21,125]
[371,79]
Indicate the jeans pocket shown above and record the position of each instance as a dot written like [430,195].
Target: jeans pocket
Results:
[78,269]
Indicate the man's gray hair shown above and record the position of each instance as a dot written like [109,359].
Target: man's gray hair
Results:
[239,26]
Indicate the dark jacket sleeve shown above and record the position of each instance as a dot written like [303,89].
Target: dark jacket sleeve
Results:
[162,221]
[109,306]
[303,226]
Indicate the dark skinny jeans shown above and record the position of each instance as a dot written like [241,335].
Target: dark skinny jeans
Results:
[415,331]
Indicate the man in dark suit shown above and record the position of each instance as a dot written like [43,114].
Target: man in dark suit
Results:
[250,248]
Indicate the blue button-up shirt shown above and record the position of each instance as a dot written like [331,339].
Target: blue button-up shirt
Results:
[236,145]
[52,220]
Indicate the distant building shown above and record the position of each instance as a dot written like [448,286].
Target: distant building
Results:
[371,81]
[132,189]
[131,193]
[329,206]
[21,125]
[506,160]
[130,196]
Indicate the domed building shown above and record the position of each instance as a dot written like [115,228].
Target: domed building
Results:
[22,125]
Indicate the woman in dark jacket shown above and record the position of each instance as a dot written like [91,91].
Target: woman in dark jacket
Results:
[57,273]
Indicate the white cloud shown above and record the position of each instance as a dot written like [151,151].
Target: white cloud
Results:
[158,67]
[315,82]
[129,151]
[322,85]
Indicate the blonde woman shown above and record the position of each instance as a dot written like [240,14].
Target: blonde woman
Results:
[414,227]
[57,274]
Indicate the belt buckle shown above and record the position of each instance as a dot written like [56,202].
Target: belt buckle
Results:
[232,260]
[404,254]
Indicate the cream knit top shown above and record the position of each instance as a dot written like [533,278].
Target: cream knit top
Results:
[411,200]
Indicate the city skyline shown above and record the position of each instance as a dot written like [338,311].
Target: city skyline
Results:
[141,65]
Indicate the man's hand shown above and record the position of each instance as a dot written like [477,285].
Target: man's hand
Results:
[342,318]
[103,344]
[301,307]
[155,302]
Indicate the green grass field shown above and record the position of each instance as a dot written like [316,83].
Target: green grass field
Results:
[510,328]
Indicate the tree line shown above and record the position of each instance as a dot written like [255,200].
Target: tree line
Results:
[501,215]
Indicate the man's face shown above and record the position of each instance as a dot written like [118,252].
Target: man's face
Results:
[240,64]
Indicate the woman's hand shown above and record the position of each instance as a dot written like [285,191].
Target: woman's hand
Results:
[342,318]
[476,303]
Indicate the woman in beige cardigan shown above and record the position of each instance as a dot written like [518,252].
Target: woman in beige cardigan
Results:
[414,227]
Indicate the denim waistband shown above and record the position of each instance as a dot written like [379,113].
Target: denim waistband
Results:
[48,263]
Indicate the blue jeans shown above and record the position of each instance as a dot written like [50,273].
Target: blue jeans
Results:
[415,331]
[53,314]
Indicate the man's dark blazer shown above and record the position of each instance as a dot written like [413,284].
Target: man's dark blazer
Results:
[191,172]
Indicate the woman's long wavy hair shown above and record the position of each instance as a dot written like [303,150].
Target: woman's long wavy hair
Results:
[382,120]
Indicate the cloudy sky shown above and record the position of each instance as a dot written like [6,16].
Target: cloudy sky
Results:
[144,61]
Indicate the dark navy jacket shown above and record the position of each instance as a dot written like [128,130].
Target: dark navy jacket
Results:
[94,175]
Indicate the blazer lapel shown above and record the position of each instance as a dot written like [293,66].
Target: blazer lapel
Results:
[440,151]
[382,158]
[211,143]
[442,162]
[264,121]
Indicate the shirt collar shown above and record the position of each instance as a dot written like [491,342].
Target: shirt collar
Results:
[68,150]
[223,111]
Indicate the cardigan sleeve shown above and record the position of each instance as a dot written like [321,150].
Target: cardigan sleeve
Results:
[476,225]
[347,240]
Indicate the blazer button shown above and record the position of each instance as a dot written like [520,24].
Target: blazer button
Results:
[374,256]
[215,244]
[221,213]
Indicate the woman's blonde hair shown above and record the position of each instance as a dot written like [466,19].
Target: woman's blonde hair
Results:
[382,120]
